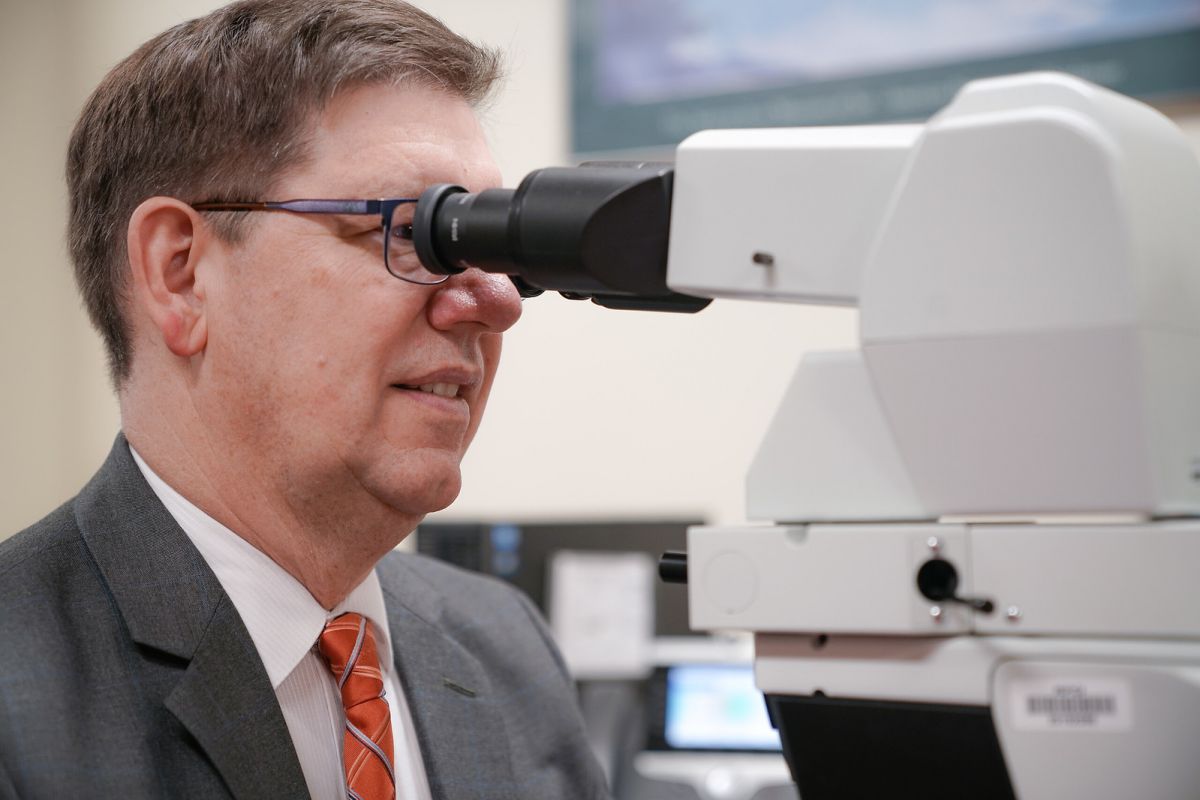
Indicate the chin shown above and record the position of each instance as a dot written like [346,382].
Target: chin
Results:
[412,482]
[430,492]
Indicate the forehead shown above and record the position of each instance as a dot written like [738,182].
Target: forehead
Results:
[393,141]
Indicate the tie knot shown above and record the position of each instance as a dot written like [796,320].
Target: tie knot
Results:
[348,647]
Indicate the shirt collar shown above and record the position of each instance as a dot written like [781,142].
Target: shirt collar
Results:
[282,618]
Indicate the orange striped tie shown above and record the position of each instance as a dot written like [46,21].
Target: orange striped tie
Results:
[349,648]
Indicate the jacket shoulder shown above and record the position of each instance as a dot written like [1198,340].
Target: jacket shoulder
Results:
[455,587]
[48,546]
[478,610]
[51,596]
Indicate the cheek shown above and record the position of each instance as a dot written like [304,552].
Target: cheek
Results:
[343,364]
[489,346]
[310,315]
[279,370]
[311,336]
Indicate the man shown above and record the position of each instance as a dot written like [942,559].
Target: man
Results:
[211,616]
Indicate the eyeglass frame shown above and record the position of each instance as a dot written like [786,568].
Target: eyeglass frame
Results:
[384,207]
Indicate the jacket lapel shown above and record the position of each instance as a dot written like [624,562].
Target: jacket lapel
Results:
[226,701]
[462,736]
[171,601]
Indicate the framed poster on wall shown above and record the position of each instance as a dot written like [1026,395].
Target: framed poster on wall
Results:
[647,73]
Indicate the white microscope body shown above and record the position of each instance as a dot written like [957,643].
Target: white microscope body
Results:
[1024,415]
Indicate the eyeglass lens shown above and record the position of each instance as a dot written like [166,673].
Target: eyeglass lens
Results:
[399,255]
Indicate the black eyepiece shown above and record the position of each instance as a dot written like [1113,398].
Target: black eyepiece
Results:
[595,231]
[423,223]
[454,230]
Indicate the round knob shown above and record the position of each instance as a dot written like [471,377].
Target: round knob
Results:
[937,579]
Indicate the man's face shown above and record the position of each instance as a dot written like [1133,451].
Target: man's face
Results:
[315,348]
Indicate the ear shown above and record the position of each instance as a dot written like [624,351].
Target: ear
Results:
[165,241]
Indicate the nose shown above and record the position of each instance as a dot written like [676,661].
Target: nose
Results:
[476,297]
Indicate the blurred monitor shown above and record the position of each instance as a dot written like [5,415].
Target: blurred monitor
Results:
[709,707]
[519,554]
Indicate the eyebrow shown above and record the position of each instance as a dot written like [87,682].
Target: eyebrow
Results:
[391,190]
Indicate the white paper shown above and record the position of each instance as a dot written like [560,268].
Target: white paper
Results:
[602,612]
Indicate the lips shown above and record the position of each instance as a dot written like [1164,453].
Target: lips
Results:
[440,389]
[447,383]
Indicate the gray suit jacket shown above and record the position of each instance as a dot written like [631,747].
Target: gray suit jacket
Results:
[125,670]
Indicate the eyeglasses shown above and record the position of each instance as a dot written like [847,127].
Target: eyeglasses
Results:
[399,257]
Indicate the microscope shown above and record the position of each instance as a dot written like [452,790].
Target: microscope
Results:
[975,572]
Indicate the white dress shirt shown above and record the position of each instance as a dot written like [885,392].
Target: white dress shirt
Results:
[284,621]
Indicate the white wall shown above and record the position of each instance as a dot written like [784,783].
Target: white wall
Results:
[55,413]
[596,413]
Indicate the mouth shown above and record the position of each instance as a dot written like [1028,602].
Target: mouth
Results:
[438,389]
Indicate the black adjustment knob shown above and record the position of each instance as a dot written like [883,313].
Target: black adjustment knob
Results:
[672,567]
[937,579]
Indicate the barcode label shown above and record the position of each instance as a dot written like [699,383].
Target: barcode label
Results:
[1058,704]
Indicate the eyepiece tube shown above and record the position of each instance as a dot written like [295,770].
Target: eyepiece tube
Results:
[597,231]
[459,230]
